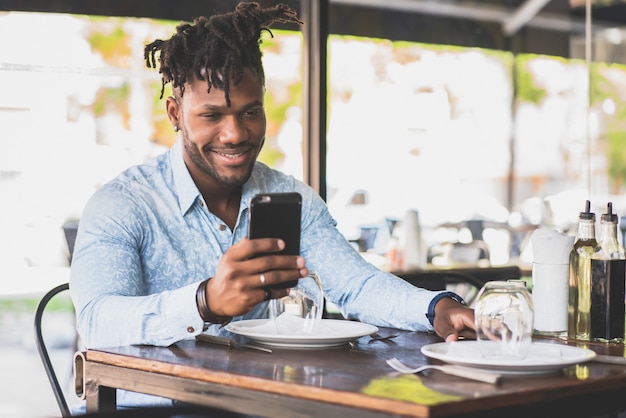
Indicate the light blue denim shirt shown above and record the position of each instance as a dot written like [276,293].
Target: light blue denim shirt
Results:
[146,240]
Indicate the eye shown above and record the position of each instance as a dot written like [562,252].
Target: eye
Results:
[253,113]
[211,116]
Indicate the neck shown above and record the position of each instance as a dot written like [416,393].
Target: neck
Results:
[222,200]
[223,203]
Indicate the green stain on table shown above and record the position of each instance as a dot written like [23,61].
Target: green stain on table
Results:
[407,388]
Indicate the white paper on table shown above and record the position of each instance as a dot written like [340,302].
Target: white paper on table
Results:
[550,275]
[293,325]
[550,296]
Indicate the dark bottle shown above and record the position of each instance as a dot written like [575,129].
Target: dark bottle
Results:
[608,279]
[580,275]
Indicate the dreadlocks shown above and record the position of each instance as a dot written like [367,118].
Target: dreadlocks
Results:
[217,48]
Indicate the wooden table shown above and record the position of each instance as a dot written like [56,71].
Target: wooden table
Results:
[344,381]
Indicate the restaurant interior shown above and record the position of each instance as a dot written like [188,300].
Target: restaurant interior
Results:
[484,121]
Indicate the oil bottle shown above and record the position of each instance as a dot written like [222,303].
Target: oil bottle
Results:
[608,275]
[580,275]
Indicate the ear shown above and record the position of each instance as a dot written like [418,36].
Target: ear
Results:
[173,110]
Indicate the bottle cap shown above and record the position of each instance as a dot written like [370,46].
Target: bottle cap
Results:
[609,216]
[587,214]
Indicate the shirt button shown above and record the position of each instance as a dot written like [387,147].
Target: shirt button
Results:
[190,329]
[201,203]
[222,227]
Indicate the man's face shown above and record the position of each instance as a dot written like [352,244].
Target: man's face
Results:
[222,143]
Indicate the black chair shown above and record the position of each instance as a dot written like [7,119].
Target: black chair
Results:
[70,228]
[439,280]
[465,285]
[43,350]
[447,279]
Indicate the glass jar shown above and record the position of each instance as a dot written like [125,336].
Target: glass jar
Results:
[504,319]
[301,311]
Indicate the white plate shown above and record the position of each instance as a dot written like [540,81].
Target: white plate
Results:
[330,333]
[541,358]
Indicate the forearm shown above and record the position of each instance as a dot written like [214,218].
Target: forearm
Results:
[159,319]
[361,290]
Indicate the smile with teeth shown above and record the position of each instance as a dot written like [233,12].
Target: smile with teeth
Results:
[231,156]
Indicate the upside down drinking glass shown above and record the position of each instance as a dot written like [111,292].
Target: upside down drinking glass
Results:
[504,319]
[299,312]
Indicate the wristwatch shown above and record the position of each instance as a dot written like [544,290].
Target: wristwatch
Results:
[431,307]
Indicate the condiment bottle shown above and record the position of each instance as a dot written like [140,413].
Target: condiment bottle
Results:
[608,275]
[580,275]
[414,249]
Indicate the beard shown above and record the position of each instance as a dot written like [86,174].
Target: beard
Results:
[199,159]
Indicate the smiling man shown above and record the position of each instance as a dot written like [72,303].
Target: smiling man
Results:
[162,252]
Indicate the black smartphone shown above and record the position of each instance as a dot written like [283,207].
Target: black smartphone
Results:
[277,215]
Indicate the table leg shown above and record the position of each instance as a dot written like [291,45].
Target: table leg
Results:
[98,397]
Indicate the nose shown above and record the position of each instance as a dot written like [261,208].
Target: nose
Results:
[233,130]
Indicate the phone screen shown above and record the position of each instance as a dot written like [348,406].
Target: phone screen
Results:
[277,215]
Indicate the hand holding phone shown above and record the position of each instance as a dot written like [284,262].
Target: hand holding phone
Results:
[277,215]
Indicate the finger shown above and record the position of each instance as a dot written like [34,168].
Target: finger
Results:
[277,262]
[452,322]
[247,248]
[270,293]
[456,330]
[278,278]
[468,334]
[258,246]
[465,334]
[452,337]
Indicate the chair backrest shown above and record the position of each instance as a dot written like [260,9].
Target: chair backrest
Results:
[70,228]
[43,350]
[439,279]
[471,278]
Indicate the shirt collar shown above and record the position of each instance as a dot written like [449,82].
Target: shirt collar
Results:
[250,188]
[185,187]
